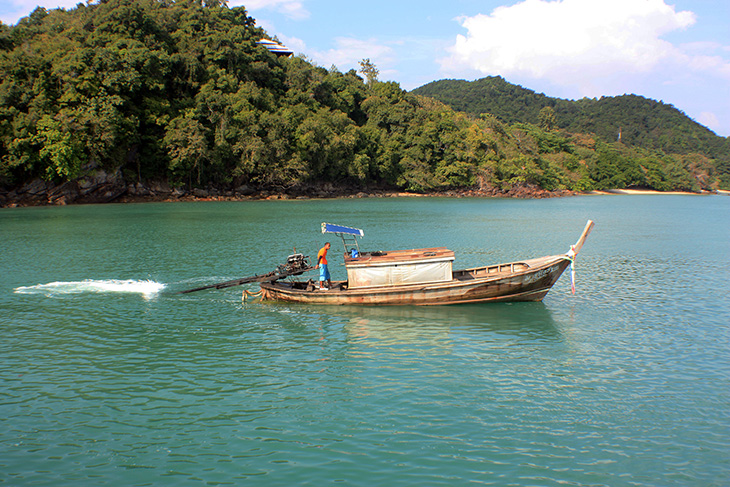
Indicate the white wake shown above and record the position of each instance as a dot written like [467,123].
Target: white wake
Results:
[148,289]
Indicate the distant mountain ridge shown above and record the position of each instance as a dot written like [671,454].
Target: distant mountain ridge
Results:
[640,121]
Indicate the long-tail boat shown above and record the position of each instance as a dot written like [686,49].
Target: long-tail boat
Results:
[419,277]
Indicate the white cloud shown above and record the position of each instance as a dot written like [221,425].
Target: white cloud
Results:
[349,52]
[716,64]
[11,11]
[294,43]
[294,9]
[709,119]
[581,43]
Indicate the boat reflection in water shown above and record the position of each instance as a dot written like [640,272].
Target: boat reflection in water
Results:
[440,327]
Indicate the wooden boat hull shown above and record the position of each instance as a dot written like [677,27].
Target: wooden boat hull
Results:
[528,280]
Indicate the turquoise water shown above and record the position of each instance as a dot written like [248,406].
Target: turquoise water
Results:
[110,378]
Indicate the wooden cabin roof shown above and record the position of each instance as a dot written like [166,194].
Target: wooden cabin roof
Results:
[393,257]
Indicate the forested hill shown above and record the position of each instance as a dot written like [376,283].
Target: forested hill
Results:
[641,122]
[118,95]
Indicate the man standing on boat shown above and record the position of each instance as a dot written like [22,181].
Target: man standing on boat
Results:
[324,273]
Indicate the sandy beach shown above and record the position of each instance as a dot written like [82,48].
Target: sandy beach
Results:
[649,191]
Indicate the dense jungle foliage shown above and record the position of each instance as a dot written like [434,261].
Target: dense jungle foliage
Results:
[645,126]
[179,91]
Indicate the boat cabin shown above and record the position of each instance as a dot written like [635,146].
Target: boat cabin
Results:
[398,267]
[391,268]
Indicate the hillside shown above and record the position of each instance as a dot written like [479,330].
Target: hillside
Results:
[641,122]
[143,97]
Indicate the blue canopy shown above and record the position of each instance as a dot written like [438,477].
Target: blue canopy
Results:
[331,228]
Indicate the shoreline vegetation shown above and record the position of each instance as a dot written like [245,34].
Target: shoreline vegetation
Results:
[41,193]
[115,101]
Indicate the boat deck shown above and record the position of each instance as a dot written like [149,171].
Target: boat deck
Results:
[489,271]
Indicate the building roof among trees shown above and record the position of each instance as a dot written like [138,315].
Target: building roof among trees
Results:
[275,47]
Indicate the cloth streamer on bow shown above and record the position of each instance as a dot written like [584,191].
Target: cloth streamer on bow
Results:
[571,257]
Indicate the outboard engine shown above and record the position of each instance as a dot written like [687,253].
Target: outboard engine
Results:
[295,265]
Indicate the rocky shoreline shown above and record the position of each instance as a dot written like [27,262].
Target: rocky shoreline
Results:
[99,186]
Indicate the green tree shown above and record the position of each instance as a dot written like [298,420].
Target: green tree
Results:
[186,144]
[547,119]
[369,70]
[60,146]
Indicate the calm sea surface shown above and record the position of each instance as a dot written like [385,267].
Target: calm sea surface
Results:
[107,377]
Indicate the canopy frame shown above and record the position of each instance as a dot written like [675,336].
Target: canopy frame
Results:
[347,234]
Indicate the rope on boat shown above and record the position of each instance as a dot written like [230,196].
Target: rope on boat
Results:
[247,293]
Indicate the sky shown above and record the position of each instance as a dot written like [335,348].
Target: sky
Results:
[675,51]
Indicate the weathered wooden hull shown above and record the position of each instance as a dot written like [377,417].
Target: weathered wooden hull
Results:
[520,281]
